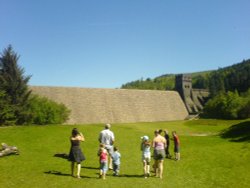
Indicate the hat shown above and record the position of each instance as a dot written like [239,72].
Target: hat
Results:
[145,138]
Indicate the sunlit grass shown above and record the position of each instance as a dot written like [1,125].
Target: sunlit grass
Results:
[206,161]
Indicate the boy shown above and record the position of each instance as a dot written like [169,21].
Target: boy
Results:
[176,146]
[116,161]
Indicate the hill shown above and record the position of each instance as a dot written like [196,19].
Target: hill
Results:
[235,77]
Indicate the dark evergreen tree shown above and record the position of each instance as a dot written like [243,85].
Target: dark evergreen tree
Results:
[14,84]
[7,116]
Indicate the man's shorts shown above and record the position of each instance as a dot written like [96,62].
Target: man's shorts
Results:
[110,149]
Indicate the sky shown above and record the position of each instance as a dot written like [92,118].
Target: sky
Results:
[107,43]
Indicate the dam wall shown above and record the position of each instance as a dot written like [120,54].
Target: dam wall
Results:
[90,105]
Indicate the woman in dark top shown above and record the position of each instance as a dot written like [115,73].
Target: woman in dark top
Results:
[76,156]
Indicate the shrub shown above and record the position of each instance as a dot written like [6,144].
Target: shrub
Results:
[225,106]
[44,111]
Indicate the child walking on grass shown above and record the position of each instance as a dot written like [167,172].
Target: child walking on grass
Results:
[116,156]
[103,159]
[146,155]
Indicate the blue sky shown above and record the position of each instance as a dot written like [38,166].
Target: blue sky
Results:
[107,43]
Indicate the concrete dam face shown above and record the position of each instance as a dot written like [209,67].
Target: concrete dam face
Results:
[90,105]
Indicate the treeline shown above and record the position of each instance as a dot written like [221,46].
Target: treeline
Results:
[158,83]
[167,82]
[18,106]
[235,77]
[232,78]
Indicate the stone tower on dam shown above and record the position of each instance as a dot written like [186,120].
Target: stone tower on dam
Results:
[116,105]
[194,99]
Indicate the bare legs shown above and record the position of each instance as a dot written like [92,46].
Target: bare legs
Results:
[73,169]
[177,156]
[146,169]
[78,170]
[102,174]
[159,168]
[110,162]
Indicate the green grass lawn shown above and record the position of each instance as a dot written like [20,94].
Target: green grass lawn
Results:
[208,159]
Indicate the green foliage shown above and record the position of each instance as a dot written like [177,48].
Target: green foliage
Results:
[167,82]
[158,83]
[16,106]
[245,110]
[7,116]
[235,77]
[44,111]
[216,83]
[14,85]
[228,105]
[200,81]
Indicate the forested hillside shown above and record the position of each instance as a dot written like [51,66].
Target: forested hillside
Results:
[232,78]
[235,77]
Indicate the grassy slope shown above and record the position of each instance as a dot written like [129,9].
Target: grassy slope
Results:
[206,161]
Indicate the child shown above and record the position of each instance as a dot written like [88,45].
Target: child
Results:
[167,144]
[176,146]
[116,161]
[146,155]
[103,158]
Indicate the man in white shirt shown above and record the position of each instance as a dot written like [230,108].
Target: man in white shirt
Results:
[107,138]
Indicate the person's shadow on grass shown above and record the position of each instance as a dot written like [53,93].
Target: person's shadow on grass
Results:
[62,155]
[131,175]
[89,167]
[54,172]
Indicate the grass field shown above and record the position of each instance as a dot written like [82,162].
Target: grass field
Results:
[213,154]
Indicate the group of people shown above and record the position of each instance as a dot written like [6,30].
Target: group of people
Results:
[160,145]
[107,152]
[109,156]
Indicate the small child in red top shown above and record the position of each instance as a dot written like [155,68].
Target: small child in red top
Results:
[103,159]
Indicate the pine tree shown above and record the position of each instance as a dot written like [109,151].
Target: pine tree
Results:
[14,85]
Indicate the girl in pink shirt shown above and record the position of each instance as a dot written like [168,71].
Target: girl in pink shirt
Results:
[103,159]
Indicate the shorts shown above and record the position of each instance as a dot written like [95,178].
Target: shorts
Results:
[104,166]
[177,149]
[146,158]
[159,154]
[110,149]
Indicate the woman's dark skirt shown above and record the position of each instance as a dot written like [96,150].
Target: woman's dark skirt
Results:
[76,155]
